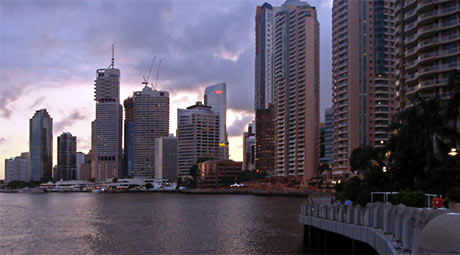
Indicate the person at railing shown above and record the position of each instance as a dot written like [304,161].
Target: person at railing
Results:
[347,202]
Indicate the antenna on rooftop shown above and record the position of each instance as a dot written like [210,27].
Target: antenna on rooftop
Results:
[158,74]
[112,65]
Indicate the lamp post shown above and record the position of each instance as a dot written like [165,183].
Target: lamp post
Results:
[453,152]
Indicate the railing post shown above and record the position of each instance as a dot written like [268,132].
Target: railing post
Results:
[368,215]
[357,215]
[349,216]
[399,212]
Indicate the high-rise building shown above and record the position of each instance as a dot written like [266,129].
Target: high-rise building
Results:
[265,140]
[265,88]
[150,121]
[18,168]
[166,157]
[328,140]
[67,157]
[80,161]
[362,75]
[87,167]
[41,146]
[249,148]
[107,127]
[129,137]
[216,97]
[296,68]
[427,48]
[265,41]
[321,142]
[197,136]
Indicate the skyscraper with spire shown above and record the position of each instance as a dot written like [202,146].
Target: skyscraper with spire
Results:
[107,127]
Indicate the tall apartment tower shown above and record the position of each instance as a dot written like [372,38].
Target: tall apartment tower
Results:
[265,30]
[18,168]
[166,157]
[41,145]
[197,136]
[328,136]
[150,121]
[265,88]
[107,127]
[427,48]
[296,67]
[67,157]
[362,75]
[216,97]
[128,137]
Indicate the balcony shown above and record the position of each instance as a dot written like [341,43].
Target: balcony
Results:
[411,12]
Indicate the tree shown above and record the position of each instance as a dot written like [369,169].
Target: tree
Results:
[148,186]
[363,158]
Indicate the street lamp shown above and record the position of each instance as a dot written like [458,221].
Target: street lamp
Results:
[384,169]
[453,152]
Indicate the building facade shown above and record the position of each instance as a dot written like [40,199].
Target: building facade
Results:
[328,140]
[296,68]
[41,145]
[166,158]
[217,173]
[265,88]
[265,140]
[150,121]
[249,148]
[107,127]
[363,75]
[66,157]
[18,168]
[216,97]
[265,30]
[427,48]
[128,137]
[197,136]
[80,161]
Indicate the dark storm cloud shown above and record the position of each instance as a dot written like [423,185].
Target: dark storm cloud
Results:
[69,120]
[201,43]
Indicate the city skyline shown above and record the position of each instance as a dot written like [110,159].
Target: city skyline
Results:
[219,48]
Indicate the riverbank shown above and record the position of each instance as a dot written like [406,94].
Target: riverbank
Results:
[222,191]
[248,191]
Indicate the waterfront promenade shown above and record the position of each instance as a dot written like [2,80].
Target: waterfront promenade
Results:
[387,228]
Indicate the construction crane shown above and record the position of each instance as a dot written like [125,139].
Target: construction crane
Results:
[158,74]
[146,79]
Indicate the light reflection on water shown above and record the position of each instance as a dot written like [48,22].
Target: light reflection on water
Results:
[130,223]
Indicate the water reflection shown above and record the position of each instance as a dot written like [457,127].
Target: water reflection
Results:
[149,223]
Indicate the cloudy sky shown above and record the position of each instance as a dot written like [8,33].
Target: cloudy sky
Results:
[50,50]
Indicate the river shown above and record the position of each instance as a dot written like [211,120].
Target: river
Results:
[146,223]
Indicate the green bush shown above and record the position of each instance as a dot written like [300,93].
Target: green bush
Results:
[409,198]
[355,190]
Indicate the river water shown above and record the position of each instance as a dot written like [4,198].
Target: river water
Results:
[145,223]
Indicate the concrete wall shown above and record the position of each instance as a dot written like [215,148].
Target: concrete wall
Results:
[389,229]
